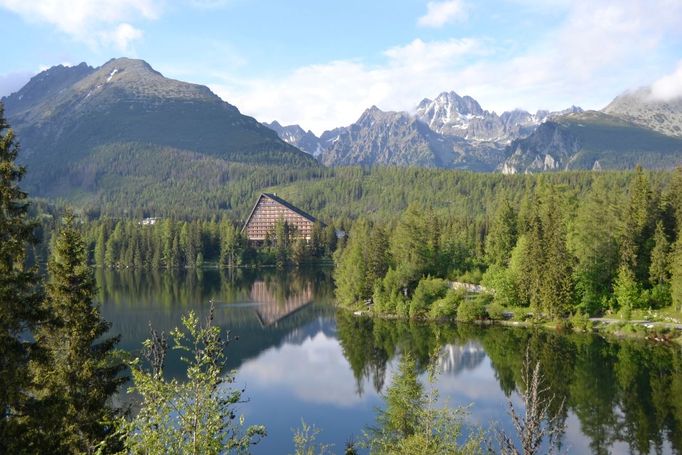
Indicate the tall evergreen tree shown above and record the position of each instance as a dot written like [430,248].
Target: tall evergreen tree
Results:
[81,373]
[557,283]
[659,270]
[282,242]
[675,198]
[676,274]
[593,241]
[639,228]
[350,273]
[376,255]
[19,296]
[503,234]
[231,245]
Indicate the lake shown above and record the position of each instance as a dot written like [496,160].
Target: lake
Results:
[298,358]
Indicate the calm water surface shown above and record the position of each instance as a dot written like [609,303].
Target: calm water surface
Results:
[300,359]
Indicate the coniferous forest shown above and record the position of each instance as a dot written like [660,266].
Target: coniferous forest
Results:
[435,227]
[554,247]
[607,243]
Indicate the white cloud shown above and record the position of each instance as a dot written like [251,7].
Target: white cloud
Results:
[597,51]
[668,87]
[333,383]
[335,93]
[122,37]
[440,13]
[95,22]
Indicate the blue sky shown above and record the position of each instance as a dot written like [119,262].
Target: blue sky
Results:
[321,63]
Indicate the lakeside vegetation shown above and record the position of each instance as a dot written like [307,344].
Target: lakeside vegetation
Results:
[553,252]
[58,384]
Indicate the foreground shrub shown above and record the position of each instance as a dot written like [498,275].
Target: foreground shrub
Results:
[446,308]
[427,292]
[472,310]
[496,311]
[191,415]
[581,322]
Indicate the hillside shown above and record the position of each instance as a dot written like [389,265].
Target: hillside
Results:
[592,140]
[642,108]
[65,114]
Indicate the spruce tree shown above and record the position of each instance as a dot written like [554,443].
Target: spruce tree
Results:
[503,233]
[350,273]
[659,269]
[81,373]
[19,296]
[676,274]
[557,281]
[639,228]
[230,245]
[593,241]
[675,198]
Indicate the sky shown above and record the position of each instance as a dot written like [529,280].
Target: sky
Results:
[321,63]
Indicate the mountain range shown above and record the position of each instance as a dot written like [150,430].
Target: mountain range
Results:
[454,131]
[67,118]
[124,126]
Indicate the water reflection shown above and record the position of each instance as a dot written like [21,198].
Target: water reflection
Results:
[623,394]
[260,310]
[298,358]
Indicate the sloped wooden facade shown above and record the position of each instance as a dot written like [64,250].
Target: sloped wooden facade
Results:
[268,210]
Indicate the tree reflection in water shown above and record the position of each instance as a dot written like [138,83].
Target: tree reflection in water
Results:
[622,394]
[620,390]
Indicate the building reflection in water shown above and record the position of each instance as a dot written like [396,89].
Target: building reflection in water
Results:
[273,307]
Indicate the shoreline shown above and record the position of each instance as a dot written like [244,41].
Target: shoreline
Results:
[606,327]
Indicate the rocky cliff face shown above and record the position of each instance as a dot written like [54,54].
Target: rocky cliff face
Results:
[452,115]
[591,140]
[391,138]
[397,138]
[643,109]
[298,137]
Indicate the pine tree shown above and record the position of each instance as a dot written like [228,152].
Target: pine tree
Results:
[81,373]
[659,271]
[19,295]
[282,242]
[376,256]
[676,275]
[299,252]
[593,241]
[535,258]
[639,227]
[230,245]
[411,247]
[675,198]
[350,273]
[557,282]
[503,233]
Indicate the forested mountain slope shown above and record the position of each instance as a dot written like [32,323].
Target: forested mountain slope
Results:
[65,116]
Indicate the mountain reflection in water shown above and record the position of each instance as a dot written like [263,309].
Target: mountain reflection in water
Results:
[297,357]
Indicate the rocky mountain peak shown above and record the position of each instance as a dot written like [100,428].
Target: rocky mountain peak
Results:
[642,108]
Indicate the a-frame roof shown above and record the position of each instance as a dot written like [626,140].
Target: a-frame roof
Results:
[281,201]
